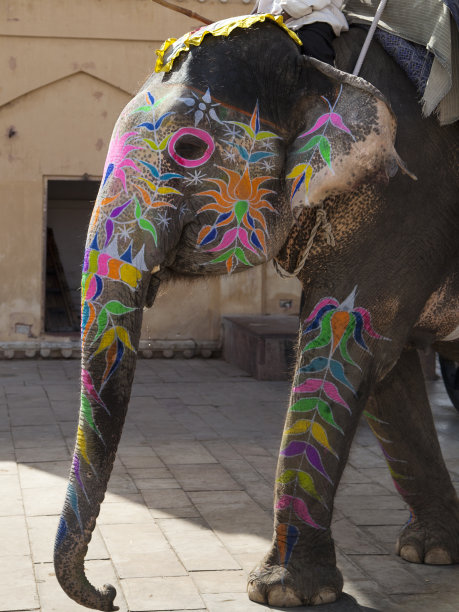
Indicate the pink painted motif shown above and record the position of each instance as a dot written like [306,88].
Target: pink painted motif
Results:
[300,508]
[200,135]
[239,202]
[318,144]
[334,324]
[117,160]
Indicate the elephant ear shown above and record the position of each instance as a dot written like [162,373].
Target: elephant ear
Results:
[347,137]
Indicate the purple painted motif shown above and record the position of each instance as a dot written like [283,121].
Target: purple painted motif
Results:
[335,324]
[134,189]
[240,201]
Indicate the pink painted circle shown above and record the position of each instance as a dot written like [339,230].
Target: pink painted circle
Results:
[197,133]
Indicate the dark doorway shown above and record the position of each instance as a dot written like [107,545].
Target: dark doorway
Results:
[69,209]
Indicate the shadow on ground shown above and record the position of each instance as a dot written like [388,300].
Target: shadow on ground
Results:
[189,507]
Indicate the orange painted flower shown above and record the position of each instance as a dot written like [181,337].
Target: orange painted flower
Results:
[239,201]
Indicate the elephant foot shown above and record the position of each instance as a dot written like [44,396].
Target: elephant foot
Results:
[430,544]
[298,584]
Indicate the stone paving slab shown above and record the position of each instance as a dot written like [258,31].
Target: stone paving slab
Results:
[188,512]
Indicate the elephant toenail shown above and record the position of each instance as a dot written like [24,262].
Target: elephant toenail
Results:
[283,597]
[410,553]
[255,594]
[325,596]
[438,556]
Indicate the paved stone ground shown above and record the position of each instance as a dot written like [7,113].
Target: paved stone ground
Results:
[188,512]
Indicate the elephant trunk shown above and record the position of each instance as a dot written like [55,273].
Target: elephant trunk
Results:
[111,323]
[69,557]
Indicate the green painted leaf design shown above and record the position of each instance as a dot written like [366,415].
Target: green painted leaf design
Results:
[102,320]
[327,415]
[241,256]
[312,142]
[263,135]
[87,413]
[325,150]
[245,127]
[240,209]
[325,334]
[141,109]
[306,404]
[138,208]
[223,256]
[344,340]
[147,226]
[117,308]
[368,415]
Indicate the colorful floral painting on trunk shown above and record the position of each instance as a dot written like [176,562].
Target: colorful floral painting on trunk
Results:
[145,174]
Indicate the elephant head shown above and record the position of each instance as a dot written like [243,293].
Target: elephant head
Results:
[204,166]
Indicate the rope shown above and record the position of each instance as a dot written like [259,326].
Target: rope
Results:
[321,220]
[369,37]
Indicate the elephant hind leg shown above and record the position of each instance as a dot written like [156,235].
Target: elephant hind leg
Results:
[399,415]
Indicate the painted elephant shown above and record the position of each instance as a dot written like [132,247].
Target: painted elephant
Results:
[223,163]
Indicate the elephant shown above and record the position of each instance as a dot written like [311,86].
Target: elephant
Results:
[241,151]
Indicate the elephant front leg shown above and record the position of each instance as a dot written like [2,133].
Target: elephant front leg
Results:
[400,417]
[300,568]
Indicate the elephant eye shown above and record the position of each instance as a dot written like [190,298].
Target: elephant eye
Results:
[190,147]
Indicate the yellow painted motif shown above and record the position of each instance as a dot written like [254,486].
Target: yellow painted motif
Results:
[81,443]
[130,275]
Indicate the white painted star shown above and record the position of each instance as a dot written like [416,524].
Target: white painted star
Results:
[229,155]
[195,178]
[267,164]
[163,220]
[183,210]
[126,233]
[231,131]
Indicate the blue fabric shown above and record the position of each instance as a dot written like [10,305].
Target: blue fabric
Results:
[415,60]
[453,6]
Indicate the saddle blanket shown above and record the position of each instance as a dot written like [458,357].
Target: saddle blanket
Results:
[430,25]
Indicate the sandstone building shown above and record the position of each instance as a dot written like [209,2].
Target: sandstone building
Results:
[67,69]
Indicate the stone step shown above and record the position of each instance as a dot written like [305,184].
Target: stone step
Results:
[261,345]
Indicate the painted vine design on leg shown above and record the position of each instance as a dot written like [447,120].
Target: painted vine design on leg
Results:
[320,385]
[373,421]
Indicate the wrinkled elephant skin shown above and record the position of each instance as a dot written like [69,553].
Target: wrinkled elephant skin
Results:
[208,168]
